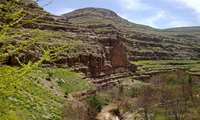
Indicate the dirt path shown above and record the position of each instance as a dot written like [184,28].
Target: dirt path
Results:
[109,112]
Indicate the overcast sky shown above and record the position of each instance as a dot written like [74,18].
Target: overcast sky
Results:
[155,13]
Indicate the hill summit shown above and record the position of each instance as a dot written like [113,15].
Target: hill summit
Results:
[91,11]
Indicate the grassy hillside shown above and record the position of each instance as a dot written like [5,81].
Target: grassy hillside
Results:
[99,16]
[28,91]
[184,29]
[21,98]
[38,95]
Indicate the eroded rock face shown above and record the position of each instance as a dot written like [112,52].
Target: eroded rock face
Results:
[115,55]
[118,56]
[103,63]
[95,65]
[110,57]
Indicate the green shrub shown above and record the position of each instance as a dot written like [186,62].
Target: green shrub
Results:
[96,102]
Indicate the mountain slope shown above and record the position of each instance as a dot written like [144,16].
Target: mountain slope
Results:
[89,16]
[142,42]
[184,29]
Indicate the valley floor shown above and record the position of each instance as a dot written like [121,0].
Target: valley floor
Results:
[44,93]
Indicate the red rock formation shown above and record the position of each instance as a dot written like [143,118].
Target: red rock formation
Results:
[118,56]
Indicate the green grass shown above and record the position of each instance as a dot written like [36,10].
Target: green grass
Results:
[66,80]
[97,102]
[159,114]
[22,99]
[165,62]
[158,65]
[25,98]
[70,81]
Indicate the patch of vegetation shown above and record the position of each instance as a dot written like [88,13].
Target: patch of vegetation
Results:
[175,62]
[159,65]
[22,99]
[103,30]
[168,96]
[159,114]
[97,102]
[67,80]
[70,81]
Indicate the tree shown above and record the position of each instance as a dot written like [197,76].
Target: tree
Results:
[146,100]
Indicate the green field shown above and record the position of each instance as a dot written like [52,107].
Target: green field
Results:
[192,66]
[29,97]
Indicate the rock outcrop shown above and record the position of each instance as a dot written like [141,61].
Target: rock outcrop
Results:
[111,58]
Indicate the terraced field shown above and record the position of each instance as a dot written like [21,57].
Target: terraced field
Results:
[145,66]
